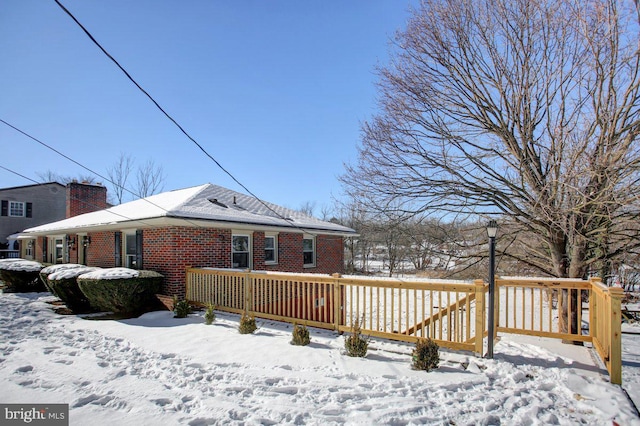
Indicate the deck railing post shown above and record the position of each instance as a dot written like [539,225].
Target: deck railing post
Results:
[615,335]
[337,302]
[593,306]
[480,314]
[189,285]
[248,292]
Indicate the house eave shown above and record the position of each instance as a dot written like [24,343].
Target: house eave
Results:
[164,221]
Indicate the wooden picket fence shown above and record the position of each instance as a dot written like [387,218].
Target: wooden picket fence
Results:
[452,313]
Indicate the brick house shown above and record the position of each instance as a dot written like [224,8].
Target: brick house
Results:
[32,205]
[202,226]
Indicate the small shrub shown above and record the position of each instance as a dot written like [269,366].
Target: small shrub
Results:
[247,324]
[355,344]
[300,335]
[425,355]
[181,308]
[209,315]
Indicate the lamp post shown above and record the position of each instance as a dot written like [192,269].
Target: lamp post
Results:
[492,230]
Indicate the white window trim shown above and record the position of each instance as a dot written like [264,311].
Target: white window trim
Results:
[275,248]
[250,244]
[315,250]
[11,208]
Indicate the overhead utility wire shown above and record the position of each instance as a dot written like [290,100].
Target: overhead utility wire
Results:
[18,174]
[74,197]
[169,116]
[146,199]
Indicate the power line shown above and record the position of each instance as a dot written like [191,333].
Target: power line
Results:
[126,73]
[162,109]
[77,198]
[313,232]
[18,174]
[87,169]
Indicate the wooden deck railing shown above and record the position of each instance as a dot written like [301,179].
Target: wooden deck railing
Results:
[448,312]
[452,313]
[534,306]
[605,326]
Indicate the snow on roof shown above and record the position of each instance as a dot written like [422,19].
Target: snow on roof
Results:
[205,202]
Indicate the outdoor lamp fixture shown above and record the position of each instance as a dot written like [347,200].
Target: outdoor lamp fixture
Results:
[71,242]
[492,230]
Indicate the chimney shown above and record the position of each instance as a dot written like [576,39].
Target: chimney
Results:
[85,198]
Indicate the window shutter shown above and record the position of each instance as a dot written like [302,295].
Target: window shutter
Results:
[139,249]
[5,208]
[118,248]
[29,210]
[45,245]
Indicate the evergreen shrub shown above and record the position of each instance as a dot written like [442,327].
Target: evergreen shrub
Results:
[64,285]
[181,308]
[356,344]
[21,276]
[426,355]
[300,335]
[122,295]
[247,324]
[209,315]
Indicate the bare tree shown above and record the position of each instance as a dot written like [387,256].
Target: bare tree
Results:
[524,108]
[307,208]
[150,179]
[119,175]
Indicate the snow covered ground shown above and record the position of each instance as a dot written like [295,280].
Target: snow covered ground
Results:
[159,370]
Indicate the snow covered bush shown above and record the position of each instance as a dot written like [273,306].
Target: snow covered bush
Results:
[181,308]
[21,275]
[300,335]
[44,273]
[63,283]
[355,344]
[247,324]
[426,355]
[121,290]
[209,315]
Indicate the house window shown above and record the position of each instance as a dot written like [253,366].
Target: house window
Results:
[130,251]
[240,252]
[271,249]
[309,251]
[59,250]
[16,209]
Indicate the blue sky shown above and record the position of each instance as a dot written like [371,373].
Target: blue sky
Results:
[275,90]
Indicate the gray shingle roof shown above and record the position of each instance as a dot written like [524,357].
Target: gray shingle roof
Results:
[211,203]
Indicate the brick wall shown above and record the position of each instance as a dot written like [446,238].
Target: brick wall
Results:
[171,250]
[85,198]
[329,254]
[289,253]
[101,251]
